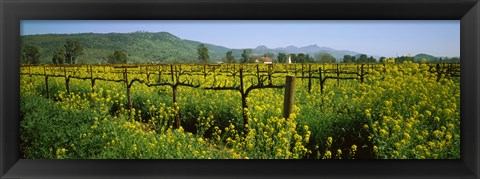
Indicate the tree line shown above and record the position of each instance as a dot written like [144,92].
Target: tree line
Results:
[248,57]
[73,49]
[68,55]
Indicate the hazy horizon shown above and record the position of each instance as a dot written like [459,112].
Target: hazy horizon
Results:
[383,38]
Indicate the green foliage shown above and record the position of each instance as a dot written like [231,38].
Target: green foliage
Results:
[73,49]
[31,54]
[348,120]
[246,55]
[433,59]
[46,127]
[162,47]
[362,59]
[58,57]
[402,59]
[118,57]
[202,52]
[282,58]
[324,58]
[301,58]
[348,59]
[421,56]
[142,47]
[229,58]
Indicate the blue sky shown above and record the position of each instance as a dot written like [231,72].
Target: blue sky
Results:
[383,38]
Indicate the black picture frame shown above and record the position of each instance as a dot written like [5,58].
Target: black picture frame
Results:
[12,11]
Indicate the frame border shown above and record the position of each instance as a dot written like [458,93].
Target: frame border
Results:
[12,11]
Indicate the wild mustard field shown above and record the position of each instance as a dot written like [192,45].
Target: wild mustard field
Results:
[399,111]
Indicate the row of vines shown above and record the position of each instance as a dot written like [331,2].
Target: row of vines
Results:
[341,111]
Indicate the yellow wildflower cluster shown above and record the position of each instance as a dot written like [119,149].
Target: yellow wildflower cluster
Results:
[393,111]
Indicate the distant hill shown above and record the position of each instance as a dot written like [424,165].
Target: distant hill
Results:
[161,47]
[428,57]
[141,47]
[216,52]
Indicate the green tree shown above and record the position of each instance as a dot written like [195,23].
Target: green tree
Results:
[282,57]
[371,60]
[301,58]
[246,55]
[363,58]
[58,57]
[73,49]
[31,54]
[229,58]
[324,58]
[402,59]
[455,60]
[309,59]
[202,52]
[348,59]
[118,57]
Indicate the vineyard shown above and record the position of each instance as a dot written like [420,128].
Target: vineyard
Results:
[236,111]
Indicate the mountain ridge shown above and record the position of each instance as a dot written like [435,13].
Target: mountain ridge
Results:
[161,47]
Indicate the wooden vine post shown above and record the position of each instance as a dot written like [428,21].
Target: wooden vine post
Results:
[92,80]
[338,75]
[174,96]
[244,99]
[148,74]
[270,72]
[309,78]
[289,96]
[129,99]
[321,78]
[67,81]
[258,75]
[127,86]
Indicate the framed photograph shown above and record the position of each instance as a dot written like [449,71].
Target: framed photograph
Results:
[248,89]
